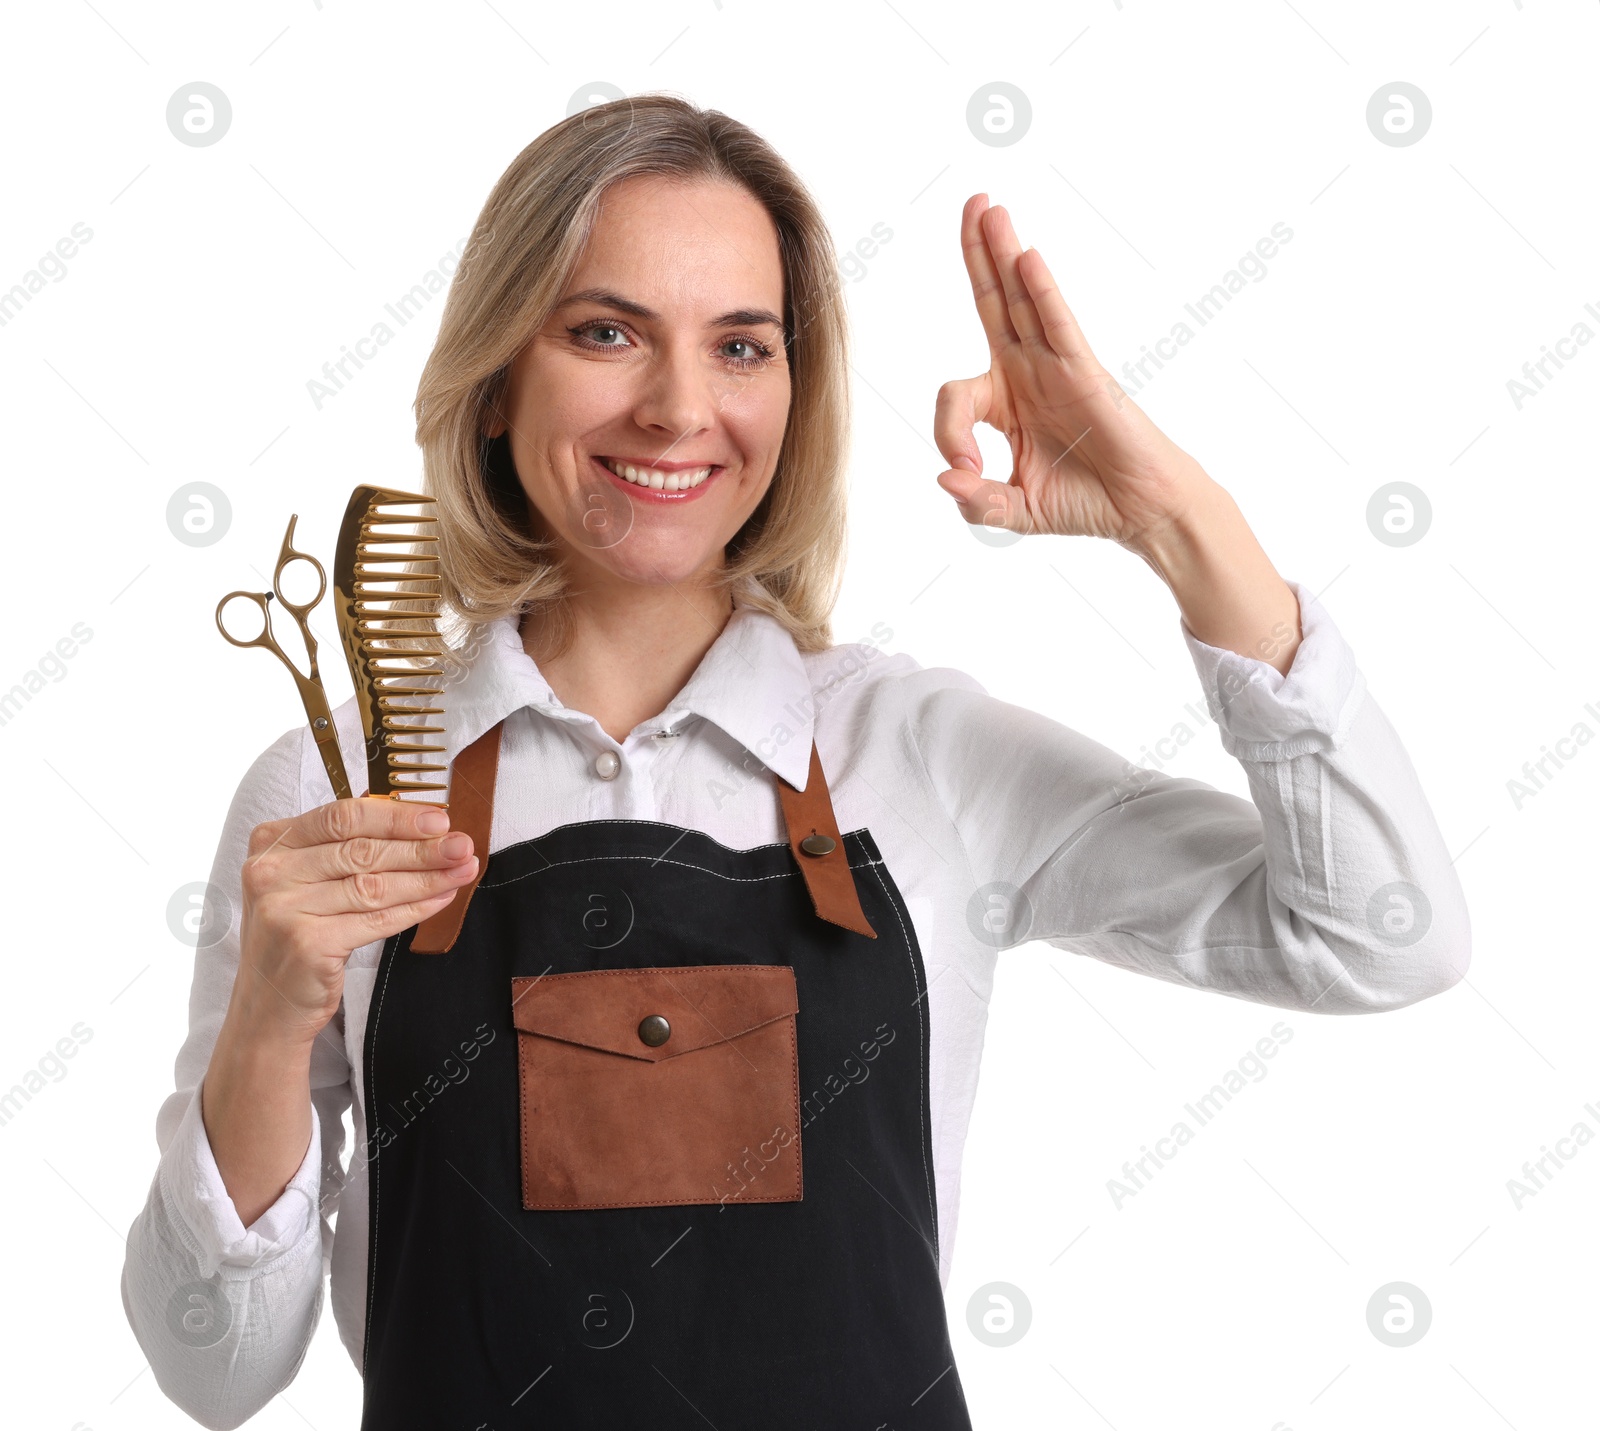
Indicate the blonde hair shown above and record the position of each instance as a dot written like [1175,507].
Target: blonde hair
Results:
[522,252]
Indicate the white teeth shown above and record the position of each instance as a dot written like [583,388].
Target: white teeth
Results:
[659,481]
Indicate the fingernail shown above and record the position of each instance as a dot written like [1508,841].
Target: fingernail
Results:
[455,847]
[433,822]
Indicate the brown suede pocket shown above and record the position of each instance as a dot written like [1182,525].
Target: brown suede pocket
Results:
[617,1111]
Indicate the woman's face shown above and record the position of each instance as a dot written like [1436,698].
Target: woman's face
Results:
[647,414]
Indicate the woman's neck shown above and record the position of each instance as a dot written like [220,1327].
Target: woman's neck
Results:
[633,649]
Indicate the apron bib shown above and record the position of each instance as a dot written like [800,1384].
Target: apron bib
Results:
[649,1138]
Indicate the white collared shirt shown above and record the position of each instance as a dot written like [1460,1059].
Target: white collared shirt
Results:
[982,810]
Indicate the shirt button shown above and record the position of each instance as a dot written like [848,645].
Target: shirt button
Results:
[606,765]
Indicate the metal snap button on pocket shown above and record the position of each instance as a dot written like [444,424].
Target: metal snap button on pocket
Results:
[817,845]
[654,1030]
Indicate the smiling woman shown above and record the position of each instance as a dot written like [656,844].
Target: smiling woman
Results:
[666,407]
[710,870]
[654,292]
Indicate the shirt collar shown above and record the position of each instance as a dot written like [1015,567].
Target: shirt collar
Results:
[752,684]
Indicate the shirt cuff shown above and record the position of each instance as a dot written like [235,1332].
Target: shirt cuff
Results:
[206,1216]
[1263,714]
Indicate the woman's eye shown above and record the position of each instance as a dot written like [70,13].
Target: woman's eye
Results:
[612,328]
[754,352]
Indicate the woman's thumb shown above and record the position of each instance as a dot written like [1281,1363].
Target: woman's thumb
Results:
[984,503]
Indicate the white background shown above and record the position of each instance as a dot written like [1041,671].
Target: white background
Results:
[1166,139]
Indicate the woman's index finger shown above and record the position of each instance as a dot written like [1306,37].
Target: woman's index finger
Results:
[371,816]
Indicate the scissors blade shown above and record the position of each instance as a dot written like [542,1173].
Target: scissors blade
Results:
[320,718]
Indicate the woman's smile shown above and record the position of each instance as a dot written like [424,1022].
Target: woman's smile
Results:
[661,481]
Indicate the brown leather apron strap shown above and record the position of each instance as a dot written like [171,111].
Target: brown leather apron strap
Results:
[472,775]
[819,850]
[808,814]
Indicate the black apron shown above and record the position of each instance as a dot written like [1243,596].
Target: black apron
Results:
[808,1299]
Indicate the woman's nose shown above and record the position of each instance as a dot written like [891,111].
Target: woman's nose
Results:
[680,394]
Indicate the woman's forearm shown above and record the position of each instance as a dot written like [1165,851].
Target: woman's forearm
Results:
[256,1106]
[1226,587]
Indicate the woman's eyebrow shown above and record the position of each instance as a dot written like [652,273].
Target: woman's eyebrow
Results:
[738,316]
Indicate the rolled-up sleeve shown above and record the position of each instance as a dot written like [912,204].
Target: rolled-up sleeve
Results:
[224,1312]
[1329,890]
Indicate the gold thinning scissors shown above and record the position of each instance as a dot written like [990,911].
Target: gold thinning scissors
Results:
[312,695]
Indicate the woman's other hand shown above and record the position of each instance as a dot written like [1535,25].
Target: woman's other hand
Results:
[1085,459]
[315,887]
[323,884]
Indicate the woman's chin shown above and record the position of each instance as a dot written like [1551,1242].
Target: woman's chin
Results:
[647,563]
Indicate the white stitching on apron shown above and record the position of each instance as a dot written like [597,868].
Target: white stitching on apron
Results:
[922,1100]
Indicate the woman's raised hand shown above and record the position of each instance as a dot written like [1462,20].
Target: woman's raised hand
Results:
[1085,459]
[320,885]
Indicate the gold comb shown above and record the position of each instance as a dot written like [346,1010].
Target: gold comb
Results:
[388,615]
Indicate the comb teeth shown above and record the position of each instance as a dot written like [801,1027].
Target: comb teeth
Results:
[387,577]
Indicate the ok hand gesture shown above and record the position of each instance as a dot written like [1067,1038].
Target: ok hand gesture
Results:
[1085,460]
